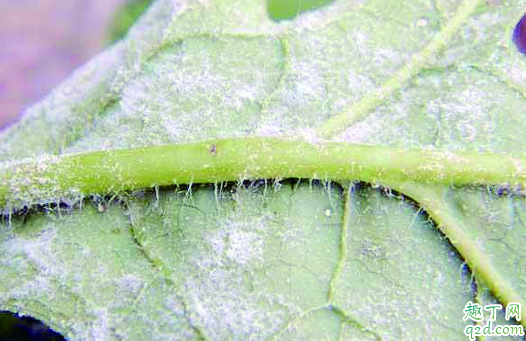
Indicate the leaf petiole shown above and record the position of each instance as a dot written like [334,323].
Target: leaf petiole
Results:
[39,180]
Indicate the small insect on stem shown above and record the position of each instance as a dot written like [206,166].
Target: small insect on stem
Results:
[101,207]
[99,203]
[212,149]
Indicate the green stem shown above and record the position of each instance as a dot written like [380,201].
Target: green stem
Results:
[347,192]
[52,178]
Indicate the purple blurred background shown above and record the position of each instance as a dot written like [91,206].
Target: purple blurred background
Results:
[42,41]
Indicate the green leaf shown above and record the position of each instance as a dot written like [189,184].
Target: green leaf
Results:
[280,10]
[278,259]
[125,17]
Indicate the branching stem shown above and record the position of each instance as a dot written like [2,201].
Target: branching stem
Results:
[432,199]
[360,109]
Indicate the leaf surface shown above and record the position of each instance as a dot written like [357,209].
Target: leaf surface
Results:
[271,259]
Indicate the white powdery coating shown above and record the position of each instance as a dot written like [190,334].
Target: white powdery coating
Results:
[193,91]
[25,188]
[517,73]
[361,84]
[38,251]
[465,111]
[377,126]
[227,310]
[130,285]
[361,132]
[169,103]
[219,299]
[99,329]
[39,287]
[242,242]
